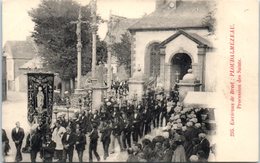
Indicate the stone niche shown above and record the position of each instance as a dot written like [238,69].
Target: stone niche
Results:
[187,84]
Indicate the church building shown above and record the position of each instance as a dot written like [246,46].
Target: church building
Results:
[176,37]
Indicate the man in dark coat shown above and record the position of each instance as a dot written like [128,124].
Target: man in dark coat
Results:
[167,152]
[163,112]
[93,143]
[17,136]
[80,144]
[136,125]
[157,112]
[104,114]
[48,148]
[68,140]
[72,125]
[140,109]
[117,125]
[204,145]
[151,107]
[146,114]
[105,137]
[36,143]
[126,131]
[85,121]
[95,118]
[129,110]
[5,144]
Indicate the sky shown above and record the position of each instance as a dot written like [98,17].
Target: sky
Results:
[17,24]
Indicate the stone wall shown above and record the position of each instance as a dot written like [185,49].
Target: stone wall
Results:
[141,41]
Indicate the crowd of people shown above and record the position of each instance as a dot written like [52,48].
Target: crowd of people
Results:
[183,135]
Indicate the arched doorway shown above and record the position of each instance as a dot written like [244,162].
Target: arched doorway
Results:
[180,64]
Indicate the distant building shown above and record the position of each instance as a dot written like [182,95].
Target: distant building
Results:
[4,84]
[17,54]
[21,58]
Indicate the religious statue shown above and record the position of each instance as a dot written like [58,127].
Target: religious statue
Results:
[40,99]
[100,72]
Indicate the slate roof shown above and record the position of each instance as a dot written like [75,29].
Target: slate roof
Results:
[20,49]
[120,26]
[186,14]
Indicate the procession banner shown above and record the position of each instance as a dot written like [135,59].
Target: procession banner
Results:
[40,97]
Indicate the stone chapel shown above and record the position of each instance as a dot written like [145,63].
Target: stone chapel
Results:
[176,37]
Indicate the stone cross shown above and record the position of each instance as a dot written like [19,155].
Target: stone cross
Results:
[79,46]
[94,27]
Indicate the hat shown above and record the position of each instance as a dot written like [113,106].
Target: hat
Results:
[198,125]
[171,119]
[183,116]
[179,125]
[109,103]
[177,116]
[189,124]
[195,120]
[184,128]
[194,158]
[202,135]
[174,126]
[177,109]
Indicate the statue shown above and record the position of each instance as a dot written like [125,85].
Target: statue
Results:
[100,72]
[40,99]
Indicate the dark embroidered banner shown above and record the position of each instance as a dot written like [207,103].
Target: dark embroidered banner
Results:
[40,97]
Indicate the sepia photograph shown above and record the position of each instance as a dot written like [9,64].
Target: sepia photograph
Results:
[129,80]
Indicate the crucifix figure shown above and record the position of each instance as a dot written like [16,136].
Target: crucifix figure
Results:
[79,46]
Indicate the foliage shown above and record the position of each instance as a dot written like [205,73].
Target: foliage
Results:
[122,50]
[56,37]
[210,20]
[58,99]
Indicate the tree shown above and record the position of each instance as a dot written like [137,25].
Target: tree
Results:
[56,37]
[210,19]
[122,50]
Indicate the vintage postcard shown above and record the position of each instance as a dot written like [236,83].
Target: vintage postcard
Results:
[130,80]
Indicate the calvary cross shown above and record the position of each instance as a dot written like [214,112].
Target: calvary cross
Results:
[79,46]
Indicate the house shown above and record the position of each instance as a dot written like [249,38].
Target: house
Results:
[4,85]
[17,54]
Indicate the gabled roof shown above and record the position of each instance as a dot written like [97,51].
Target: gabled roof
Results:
[192,36]
[187,14]
[20,49]
[120,26]
[36,62]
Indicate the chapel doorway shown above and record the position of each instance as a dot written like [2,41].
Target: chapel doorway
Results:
[180,64]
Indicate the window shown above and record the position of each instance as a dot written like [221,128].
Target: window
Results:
[154,60]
